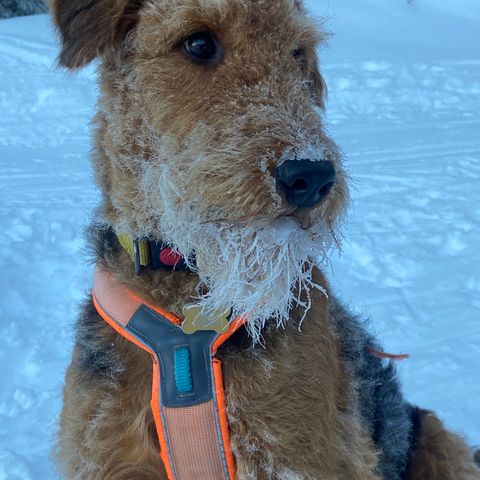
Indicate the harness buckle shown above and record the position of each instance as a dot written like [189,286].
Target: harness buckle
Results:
[136,257]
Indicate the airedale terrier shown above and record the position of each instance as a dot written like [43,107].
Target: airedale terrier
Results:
[222,195]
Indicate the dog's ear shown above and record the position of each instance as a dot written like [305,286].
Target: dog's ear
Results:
[89,27]
[319,87]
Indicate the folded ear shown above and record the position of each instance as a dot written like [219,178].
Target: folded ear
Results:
[89,27]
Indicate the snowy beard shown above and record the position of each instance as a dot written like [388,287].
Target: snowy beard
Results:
[260,270]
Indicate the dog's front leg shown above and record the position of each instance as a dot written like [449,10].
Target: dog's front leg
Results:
[440,454]
[107,431]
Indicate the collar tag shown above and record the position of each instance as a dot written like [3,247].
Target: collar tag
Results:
[196,320]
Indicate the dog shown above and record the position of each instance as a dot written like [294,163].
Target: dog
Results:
[213,162]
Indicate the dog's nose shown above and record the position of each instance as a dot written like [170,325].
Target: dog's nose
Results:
[304,183]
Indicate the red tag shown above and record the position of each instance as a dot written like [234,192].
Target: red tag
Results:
[170,257]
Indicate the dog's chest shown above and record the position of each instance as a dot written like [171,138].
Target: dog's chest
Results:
[284,404]
[298,404]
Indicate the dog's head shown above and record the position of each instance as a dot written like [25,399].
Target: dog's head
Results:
[210,137]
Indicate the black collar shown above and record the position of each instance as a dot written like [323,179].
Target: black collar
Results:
[154,255]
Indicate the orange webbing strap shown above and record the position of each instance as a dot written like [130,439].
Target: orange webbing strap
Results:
[192,429]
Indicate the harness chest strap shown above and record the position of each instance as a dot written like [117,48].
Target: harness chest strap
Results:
[188,400]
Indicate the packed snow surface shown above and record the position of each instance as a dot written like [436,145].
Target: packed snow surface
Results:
[404,100]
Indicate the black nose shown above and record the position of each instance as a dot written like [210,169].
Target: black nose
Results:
[304,183]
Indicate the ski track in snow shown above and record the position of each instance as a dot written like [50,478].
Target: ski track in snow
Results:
[411,257]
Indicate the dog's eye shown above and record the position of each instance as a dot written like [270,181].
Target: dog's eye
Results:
[203,47]
[298,53]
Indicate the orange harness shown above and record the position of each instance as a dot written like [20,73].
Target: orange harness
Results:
[188,398]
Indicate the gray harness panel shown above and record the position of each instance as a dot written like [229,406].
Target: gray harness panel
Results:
[165,338]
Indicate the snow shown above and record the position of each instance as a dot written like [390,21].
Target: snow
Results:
[404,100]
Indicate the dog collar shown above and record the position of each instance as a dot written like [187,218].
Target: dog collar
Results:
[188,398]
[153,255]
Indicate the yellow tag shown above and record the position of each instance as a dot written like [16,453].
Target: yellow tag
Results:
[195,320]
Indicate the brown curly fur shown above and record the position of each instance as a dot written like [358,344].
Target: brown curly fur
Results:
[440,454]
[148,89]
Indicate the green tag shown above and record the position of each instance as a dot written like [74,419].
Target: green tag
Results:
[195,320]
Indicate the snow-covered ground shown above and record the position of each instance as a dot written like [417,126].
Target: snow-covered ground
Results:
[404,104]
